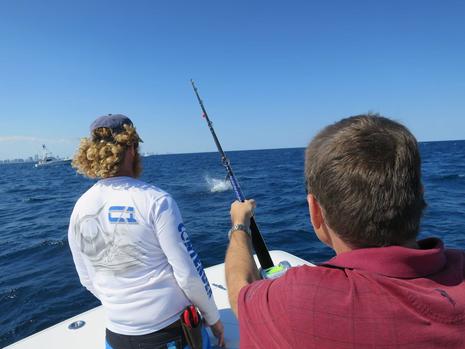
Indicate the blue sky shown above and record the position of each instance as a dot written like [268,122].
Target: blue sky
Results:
[271,73]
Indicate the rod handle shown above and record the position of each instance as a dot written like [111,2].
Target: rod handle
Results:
[259,246]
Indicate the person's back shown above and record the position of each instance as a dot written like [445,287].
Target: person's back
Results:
[130,246]
[383,289]
[362,299]
[113,225]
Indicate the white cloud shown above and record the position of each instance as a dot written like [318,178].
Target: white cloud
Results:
[36,139]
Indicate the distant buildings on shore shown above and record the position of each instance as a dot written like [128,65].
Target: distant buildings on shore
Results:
[29,159]
[36,158]
[16,161]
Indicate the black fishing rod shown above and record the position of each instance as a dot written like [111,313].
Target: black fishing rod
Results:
[257,239]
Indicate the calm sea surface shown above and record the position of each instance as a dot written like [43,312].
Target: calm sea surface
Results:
[38,283]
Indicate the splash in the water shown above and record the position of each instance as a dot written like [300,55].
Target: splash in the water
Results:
[217,185]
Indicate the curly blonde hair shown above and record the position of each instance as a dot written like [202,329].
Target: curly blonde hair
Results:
[101,155]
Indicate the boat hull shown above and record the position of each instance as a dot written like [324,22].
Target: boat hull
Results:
[92,334]
[52,163]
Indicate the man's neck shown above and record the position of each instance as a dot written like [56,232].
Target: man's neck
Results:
[411,244]
[125,173]
[339,246]
[126,168]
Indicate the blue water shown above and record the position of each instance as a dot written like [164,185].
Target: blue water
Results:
[39,286]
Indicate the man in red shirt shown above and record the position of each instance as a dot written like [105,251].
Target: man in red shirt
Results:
[383,289]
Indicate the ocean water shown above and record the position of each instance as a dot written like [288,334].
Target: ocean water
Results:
[38,283]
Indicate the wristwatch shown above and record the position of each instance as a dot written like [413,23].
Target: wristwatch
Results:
[240,227]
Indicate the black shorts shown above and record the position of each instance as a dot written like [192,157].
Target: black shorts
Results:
[170,337]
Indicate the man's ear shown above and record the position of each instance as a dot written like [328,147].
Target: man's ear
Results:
[314,208]
[318,221]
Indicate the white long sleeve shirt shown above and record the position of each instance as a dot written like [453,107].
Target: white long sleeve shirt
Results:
[132,251]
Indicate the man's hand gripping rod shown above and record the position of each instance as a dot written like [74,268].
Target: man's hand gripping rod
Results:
[267,266]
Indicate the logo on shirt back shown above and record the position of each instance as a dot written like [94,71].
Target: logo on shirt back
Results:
[111,250]
[121,214]
[195,258]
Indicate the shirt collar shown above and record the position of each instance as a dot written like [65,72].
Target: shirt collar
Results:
[395,261]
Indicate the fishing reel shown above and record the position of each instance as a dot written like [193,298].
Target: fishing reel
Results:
[275,271]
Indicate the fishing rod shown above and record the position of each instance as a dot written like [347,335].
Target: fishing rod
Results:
[257,239]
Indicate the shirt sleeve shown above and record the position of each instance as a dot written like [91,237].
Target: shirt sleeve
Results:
[186,264]
[263,315]
[85,275]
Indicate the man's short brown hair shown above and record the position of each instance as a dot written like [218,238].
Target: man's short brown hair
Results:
[365,172]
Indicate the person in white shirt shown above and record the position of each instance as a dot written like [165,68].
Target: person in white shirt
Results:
[130,246]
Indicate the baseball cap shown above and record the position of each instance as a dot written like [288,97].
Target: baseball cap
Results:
[115,122]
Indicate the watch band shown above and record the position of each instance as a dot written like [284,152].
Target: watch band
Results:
[240,227]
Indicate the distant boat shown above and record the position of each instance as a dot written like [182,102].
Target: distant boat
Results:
[49,160]
[147,154]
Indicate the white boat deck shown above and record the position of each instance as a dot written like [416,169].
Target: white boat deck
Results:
[92,334]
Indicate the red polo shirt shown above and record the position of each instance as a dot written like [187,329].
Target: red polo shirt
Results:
[388,297]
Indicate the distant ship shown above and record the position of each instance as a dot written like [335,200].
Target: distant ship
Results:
[49,160]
